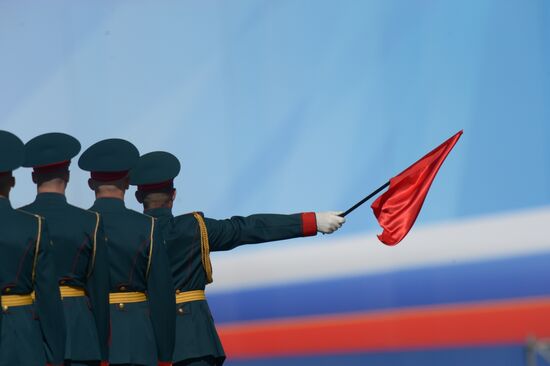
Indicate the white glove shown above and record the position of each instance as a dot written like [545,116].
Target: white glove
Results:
[329,222]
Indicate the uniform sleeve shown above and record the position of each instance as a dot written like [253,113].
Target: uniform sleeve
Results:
[48,301]
[97,288]
[162,301]
[238,230]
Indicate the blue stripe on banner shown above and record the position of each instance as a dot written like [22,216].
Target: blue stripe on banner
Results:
[475,356]
[489,280]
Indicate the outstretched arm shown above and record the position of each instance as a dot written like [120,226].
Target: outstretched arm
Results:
[260,228]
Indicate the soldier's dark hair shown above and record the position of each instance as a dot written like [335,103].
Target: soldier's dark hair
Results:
[156,199]
[61,174]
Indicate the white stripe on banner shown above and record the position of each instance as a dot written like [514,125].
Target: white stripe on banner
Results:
[496,236]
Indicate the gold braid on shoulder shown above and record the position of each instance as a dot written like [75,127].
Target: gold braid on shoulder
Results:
[37,246]
[94,247]
[205,248]
[150,247]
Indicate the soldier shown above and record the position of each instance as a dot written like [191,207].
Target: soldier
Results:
[141,289]
[27,270]
[80,252]
[191,237]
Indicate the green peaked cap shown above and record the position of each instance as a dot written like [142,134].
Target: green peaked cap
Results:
[50,150]
[109,159]
[12,152]
[156,169]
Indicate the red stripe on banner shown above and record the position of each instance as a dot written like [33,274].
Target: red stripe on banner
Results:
[491,323]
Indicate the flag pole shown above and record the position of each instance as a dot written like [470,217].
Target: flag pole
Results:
[352,208]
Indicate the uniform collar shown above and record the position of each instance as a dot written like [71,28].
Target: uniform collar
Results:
[159,212]
[108,204]
[5,204]
[50,198]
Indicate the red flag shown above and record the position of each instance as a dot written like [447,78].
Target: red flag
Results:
[397,209]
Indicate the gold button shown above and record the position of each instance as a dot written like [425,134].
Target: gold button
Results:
[122,288]
[180,310]
[121,306]
[8,289]
[5,308]
[178,292]
[62,282]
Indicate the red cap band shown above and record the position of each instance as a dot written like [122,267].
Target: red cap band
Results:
[108,176]
[51,167]
[155,186]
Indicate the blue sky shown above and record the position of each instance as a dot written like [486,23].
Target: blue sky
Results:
[283,106]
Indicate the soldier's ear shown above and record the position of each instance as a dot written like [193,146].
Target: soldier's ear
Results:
[126,183]
[67,176]
[91,184]
[139,196]
[34,178]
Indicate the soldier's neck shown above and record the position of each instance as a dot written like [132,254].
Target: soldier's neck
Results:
[52,188]
[111,193]
[156,205]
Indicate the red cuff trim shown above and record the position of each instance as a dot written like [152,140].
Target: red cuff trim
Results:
[309,224]
[51,167]
[163,363]
[104,363]
[155,186]
[108,176]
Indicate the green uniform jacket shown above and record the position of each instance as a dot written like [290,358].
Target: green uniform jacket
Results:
[81,261]
[141,333]
[196,334]
[31,334]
